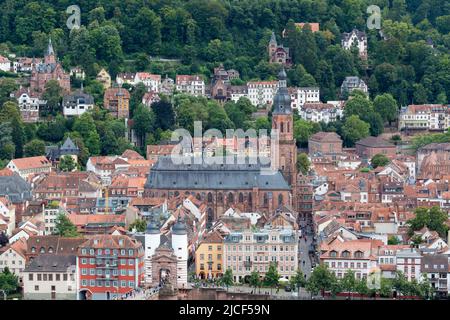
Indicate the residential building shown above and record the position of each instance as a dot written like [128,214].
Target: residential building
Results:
[320,112]
[77,103]
[109,266]
[30,166]
[325,143]
[368,147]
[358,255]
[278,53]
[117,102]
[106,166]
[126,77]
[357,39]
[409,262]
[104,78]
[68,148]
[13,257]
[7,216]
[302,95]
[353,83]
[92,224]
[261,93]
[29,104]
[425,117]
[435,267]
[151,81]
[50,277]
[52,245]
[149,98]
[193,85]
[5,64]
[209,256]
[248,250]
[78,73]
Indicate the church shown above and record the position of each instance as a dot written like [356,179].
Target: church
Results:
[49,69]
[240,186]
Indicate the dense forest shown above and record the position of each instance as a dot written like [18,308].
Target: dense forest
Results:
[203,33]
[409,62]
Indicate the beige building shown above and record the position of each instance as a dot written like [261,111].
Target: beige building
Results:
[50,277]
[26,167]
[105,79]
[209,257]
[250,250]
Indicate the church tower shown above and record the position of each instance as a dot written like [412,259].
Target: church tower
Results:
[283,121]
[50,57]
[272,46]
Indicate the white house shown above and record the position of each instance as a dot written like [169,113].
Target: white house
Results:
[30,166]
[193,85]
[74,105]
[302,95]
[50,277]
[355,38]
[13,257]
[5,64]
[151,81]
[7,216]
[261,93]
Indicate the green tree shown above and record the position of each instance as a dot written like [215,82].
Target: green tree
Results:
[255,281]
[393,240]
[348,282]
[298,281]
[386,106]
[303,163]
[227,278]
[272,276]
[385,288]
[67,164]
[379,160]
[354,129]
[35,147]
[164,114]
[139,224]
[434,218]
[53,96]
[303,130]
[143,122]
[64,227]
[321,280]
[8,281]
[361,287]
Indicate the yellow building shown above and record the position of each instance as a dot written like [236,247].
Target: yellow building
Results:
[105,79]
[209,257]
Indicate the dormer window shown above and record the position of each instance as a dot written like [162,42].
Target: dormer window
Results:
[359,254]
[333,254]
[345,254]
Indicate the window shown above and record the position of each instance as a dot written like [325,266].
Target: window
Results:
[36,288]
[57,277]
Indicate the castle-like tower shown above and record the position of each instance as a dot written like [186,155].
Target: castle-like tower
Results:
[180,248]
[164,256]
[283,121]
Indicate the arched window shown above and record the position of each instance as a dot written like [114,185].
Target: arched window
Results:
[359,254]
[230,198]
[288,126]
[33,250]
[333,253]
[241,197]
[210,218]
[198,197]
[210,197]
[345,254]
[42,250]
[250,200]
[266,199]
[177,193]
[282,127]
[50,250]
[220,197]
[280,199]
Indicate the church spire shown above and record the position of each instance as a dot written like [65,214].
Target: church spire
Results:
[282,99]
[50,51]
